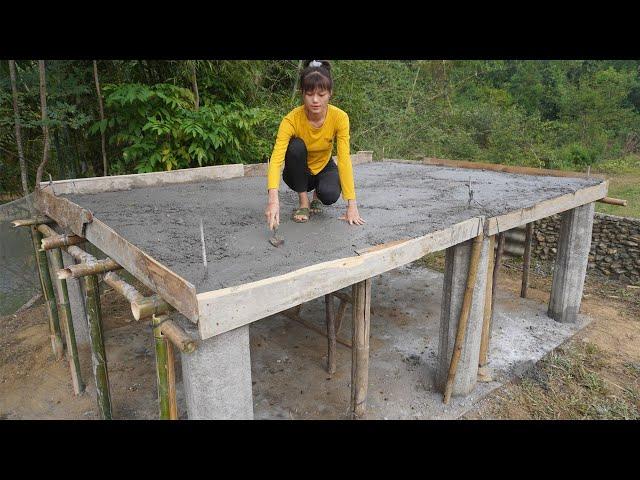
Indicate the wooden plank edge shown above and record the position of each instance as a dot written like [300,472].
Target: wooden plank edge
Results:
[229,308]
[174,289]
[546,208]
[497,167]
[141,180]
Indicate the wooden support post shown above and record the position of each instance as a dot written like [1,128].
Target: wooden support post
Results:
[98,354]
[496,269]
[67,325]
[483,375]
[49,296]
[476,250]
[526,263]
[161,367]
[331,333]
[361,295]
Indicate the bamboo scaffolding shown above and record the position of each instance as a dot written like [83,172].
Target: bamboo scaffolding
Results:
[161,368]
[123,288]
[171,381]
[62,240]
[98,354]
[50,298]
[67,325]
[178,336]
[88,268]
[526,260]
[476,250]
[148,306]
[31,221]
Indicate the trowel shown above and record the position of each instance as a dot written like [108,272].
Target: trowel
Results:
[276,240]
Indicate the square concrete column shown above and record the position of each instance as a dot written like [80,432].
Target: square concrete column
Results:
[217,377]
[76,302]
[570,266]
[457,262]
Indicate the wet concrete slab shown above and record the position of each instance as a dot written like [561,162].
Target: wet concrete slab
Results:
[398,201]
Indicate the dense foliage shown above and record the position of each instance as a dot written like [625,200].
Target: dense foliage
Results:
[557,114]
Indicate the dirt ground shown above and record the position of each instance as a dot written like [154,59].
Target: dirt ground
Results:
[595,374]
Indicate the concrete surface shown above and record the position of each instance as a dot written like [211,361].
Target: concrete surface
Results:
[398,201]
[289,360]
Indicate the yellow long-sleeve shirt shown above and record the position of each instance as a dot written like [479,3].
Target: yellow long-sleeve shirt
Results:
[319,142]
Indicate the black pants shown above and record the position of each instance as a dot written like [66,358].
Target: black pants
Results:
[297,176]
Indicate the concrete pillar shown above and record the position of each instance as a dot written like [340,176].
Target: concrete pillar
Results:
[570,266]
[455,281]
[76,302]
[217,377]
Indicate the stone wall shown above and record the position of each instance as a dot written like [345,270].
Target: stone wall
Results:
[615,245]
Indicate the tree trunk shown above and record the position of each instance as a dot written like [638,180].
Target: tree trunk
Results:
[194,81]
[295,84]
[16,112]
[45,119]
[105,165]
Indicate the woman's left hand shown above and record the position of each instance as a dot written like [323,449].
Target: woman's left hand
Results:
[352,216]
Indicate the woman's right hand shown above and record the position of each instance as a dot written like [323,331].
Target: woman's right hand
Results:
[272,213]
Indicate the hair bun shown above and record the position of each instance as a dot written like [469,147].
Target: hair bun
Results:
[319,63]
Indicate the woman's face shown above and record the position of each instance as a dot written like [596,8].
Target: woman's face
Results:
[316,101]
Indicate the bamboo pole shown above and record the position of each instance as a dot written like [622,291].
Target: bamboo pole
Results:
[123,288]
[67,325]
[476,250]
[342,296]
[178,336]
[613,201]
[361,294]
[98,354]
[161,367]
[27,222]
[527,260]
[486,320]
[62,240]
[88,268]
[49,295]
[171,381]
[148,306]
[331,333]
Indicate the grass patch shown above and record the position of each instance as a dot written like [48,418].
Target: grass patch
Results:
[568,383]
[624,182]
